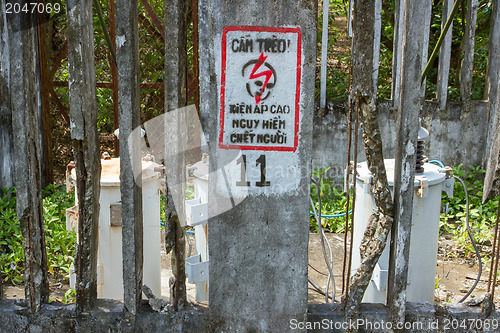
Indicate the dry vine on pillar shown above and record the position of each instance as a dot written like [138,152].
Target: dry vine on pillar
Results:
[380,222]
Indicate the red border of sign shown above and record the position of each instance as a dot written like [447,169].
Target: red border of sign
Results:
[297,93]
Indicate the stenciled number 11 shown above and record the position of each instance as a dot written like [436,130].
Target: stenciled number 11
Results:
[260,161]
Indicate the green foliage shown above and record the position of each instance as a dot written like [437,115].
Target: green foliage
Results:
[60,243]
[338,79]
[69,296]
[333,202]
[11,239]
[480,52]
[482,216]
[189,195]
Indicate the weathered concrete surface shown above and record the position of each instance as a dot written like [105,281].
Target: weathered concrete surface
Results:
[410,104]
[457,134]
[83,118]
[127,56]
[258,250]
[108,317]
[420,317]
[468,63]
[6,146]
[492,74]
[27,154]
[175,98]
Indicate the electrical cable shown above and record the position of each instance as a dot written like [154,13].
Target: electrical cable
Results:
[469,233]
[317,271]
[321,290]
[334,215]
[323,238]
[438,163]
[471,239]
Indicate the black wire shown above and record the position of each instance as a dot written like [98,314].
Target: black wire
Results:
[317,270]
[471,239]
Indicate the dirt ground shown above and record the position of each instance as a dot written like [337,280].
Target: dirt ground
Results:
[455,275]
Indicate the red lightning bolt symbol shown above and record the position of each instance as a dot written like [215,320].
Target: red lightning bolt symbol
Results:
[267,74]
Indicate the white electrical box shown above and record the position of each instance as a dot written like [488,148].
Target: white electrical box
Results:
[424,232]
[109,259]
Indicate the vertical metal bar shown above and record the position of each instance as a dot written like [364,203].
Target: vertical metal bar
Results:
[324,54]
[425,48]
[114,74]
[410,104]
[468,62]
[349,19]
[25,122]
[127,53]
[83,115]
[493,252]
[444,57]
[46,128]
[397,52]
[346,277]
[349,263]
[175,97]
[377,28]
[494,264]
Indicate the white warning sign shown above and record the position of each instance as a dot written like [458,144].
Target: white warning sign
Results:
[260,88]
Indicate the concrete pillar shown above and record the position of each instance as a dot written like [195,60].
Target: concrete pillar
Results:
[410,104]
[175,98]
[83,115]
[6,146]
[261,55]
[127,57]
[27,153]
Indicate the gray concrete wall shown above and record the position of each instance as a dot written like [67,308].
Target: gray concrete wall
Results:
[457,134]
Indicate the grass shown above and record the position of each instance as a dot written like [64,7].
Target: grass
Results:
[482,216]
[333,202]
[60,243]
